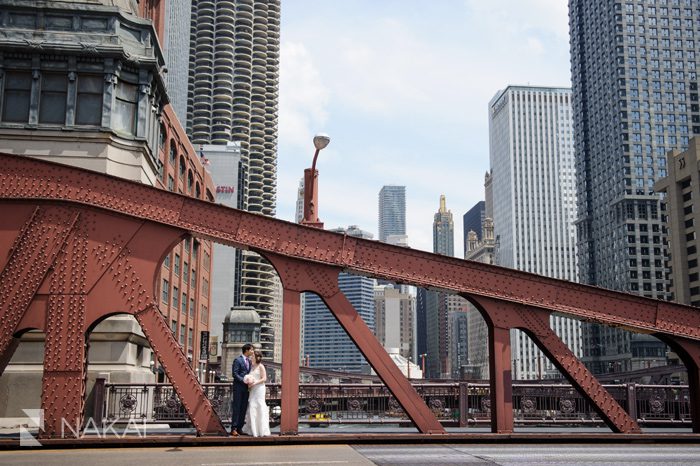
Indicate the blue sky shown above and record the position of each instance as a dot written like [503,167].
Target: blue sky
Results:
[402,88]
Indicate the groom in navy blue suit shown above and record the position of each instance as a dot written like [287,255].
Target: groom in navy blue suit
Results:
[239,402]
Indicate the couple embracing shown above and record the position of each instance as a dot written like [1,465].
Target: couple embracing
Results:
[250,414]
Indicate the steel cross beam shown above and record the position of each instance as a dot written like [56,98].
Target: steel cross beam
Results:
[24,178]
[70,268]
[502,316]
[522,296]
[298,276]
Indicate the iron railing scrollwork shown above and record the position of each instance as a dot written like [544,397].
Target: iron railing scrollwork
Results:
[457,403]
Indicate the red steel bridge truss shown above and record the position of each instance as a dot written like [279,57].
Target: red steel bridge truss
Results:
[78,246]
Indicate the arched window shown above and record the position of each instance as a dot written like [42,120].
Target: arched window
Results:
[173,152]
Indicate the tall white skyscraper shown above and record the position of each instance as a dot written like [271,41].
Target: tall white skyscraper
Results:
[392,211]
[534,200]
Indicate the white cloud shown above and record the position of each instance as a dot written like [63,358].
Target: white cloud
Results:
[403,90]
[303,96]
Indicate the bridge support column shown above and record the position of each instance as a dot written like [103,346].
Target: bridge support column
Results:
[32,254]
[689,352]
[291,322]
[323,280]
[535,322]
[63,384]
[501,380]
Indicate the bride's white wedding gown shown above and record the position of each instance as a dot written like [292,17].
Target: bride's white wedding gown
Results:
[257,417]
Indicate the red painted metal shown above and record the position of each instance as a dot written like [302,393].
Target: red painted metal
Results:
[535,322]
[311,198]
[501,380]
[27,178]
[298,276]
[291,327]
[689,352]
[109,264]
[68,269]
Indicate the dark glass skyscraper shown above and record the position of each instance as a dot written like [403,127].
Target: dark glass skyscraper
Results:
[635,98]
[326,344]
[474,221]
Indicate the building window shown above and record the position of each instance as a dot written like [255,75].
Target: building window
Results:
[190,338]
[188,244]
[184,303]
[207,260]
[205,287]
[52,106]
[186,272]
[177,264]
[195,249]
[18,87]
[204,315]
[166,291]
[89,100]
[191,307]
[194,278]
[171,183]
[173,326]
[125,107]
[182,334]
[166,262]
[176,298]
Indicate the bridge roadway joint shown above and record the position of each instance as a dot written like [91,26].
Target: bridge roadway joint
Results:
[155,440]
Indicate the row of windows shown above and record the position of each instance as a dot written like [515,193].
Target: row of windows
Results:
[56,92]
[654,31]
[665,22]
[184,334]
[652,10]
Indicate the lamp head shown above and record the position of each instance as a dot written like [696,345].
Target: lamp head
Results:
[321,140]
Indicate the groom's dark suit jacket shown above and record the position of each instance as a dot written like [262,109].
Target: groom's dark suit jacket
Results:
[240,371]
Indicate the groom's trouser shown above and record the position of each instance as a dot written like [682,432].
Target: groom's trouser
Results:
[239,406]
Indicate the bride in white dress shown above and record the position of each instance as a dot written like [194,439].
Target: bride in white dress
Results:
[257,418]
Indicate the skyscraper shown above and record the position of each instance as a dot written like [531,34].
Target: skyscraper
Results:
[392,211]
[224,161]
[474,221]
[683,221]
[477,341]
[533,178]
[395,320]
[443,230]
[437,302]
[233,96]
[635,97]
[176,40]
[325,342]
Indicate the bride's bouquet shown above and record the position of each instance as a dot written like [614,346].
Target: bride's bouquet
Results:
[248,379]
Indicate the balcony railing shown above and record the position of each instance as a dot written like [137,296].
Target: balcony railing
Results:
[456,404]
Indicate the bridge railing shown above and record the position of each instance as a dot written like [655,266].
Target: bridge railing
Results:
[454,403]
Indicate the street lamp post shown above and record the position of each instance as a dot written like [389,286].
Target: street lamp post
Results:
[311,185]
